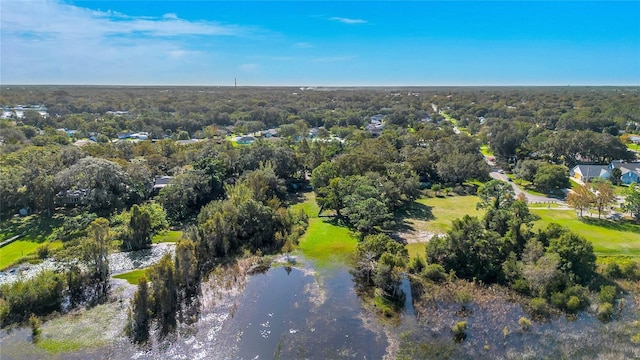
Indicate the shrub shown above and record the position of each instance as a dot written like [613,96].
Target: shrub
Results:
[605,311]
[435,273]
[612,271]
[558,300]
[524,323]
[521,286]
[40,295]
[573,304]
[538,306]
[43,251]
[417,265]
[458,330]
[35,324]
[607,294]
[463,296]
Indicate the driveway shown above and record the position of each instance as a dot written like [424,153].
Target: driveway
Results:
[530,197]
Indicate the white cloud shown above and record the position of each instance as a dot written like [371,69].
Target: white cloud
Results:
[348,20]
[302,45]
[53,42]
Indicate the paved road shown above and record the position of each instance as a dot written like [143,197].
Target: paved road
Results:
[530,197]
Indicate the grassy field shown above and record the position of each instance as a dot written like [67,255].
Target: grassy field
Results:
[132,276]
[608,238]
[22,248]
[484,149]
[167,236]
[16,250]
[325,242]
[434,216]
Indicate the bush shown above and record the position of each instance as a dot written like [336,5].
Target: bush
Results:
[573,304]
[612,271]
[559,300]
[35,325]
[417,265]
[40,295]
[524,323]
[435,273]
[521,286]
[43,251]
[458,330]
[605,311]
[607,294]
[538,306]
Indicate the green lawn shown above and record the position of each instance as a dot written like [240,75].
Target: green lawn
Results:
[484,149]
[132,276]
[325,242]
[167,236]
[434,215]
[20,248]
[16,250]
[608,238]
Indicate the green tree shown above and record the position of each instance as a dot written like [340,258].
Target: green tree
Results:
[139,315]
[527,169]
[105,183]
[186,269]
[140,233]
[616,176]
[495,194]
[632,201]
[576,256]
[321,175]
[96,255]
[551,177]
[164,293]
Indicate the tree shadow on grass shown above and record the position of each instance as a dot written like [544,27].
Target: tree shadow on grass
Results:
[415,210]
[622,225]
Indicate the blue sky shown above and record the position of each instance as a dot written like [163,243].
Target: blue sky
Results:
[307,43]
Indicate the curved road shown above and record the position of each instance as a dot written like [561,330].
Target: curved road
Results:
[530,198]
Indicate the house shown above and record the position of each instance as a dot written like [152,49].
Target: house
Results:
[270,133]
[630,171]
[73,197]
[160,182]
[245,140]
[585,173]
[377,119]
[374,129]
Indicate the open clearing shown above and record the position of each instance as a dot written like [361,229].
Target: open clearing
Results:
[325,242]
[167,236]
[427,217]
[132,276]
[18,249]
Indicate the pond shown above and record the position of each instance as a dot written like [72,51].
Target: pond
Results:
[285,312]
[304,312]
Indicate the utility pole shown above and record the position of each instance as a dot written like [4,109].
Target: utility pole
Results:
[235,82]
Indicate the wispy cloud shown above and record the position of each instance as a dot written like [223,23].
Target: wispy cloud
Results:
[348,20]
[54,42]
